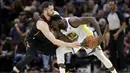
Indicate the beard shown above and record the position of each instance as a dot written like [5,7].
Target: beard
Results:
[49,14]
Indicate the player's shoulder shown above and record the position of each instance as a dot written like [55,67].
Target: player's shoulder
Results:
[73,19]
[41,24]
[40,21]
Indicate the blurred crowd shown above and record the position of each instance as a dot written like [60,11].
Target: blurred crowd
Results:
[24,13]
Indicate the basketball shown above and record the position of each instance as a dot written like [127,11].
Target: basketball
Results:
[90,42]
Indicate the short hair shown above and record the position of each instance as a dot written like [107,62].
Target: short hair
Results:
[56,17]
[113,2]
[45,5]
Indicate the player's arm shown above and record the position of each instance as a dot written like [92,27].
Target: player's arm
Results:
[44,28]
[85,20]
[63,37]
[60,36]
[106,29]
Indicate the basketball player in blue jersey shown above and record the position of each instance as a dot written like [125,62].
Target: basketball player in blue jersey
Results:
[41,39]
[72,29]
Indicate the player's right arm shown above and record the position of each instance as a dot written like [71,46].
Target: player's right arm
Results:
[106,29]
[44,28]
[76,21]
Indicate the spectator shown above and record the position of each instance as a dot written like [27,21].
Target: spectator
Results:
[78,9]
[36,16]
[127,40]
[5,15]
[102,20]
[36,4]
[128,28]
[126,10]
[92,7]
[22,17]
[106,8]
[17,7]
[46,60]
[127,2]
[20,51]
[102,24]
[6,56]
[69,8]
[19,31]
[85,6]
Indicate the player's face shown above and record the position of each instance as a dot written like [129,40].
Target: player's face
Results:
[59,24]
[55,25]
[50,10]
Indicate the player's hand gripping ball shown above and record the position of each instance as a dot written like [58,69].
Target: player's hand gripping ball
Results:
[91,42]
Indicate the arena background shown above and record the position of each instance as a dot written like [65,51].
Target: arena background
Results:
[27,12]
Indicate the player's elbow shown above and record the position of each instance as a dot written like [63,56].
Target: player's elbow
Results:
[55,42]
[58,43]
[92,19]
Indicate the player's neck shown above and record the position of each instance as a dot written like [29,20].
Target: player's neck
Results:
[46,16]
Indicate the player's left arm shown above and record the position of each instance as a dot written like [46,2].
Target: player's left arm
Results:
[61,36]
[75,21]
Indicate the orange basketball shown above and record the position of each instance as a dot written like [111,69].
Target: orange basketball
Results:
[90,42]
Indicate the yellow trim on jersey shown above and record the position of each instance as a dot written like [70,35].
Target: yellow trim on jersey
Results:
[36,33]
[41,19]
[27,45]
[89,32]
[72,36]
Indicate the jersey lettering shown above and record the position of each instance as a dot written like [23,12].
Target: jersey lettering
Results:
[72,36]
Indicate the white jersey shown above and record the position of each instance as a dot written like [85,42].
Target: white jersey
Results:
[77,34]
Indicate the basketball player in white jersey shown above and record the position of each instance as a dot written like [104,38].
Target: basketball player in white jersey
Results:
[72,29]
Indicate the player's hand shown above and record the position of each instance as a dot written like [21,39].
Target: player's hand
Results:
[100,40]
[74,44]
